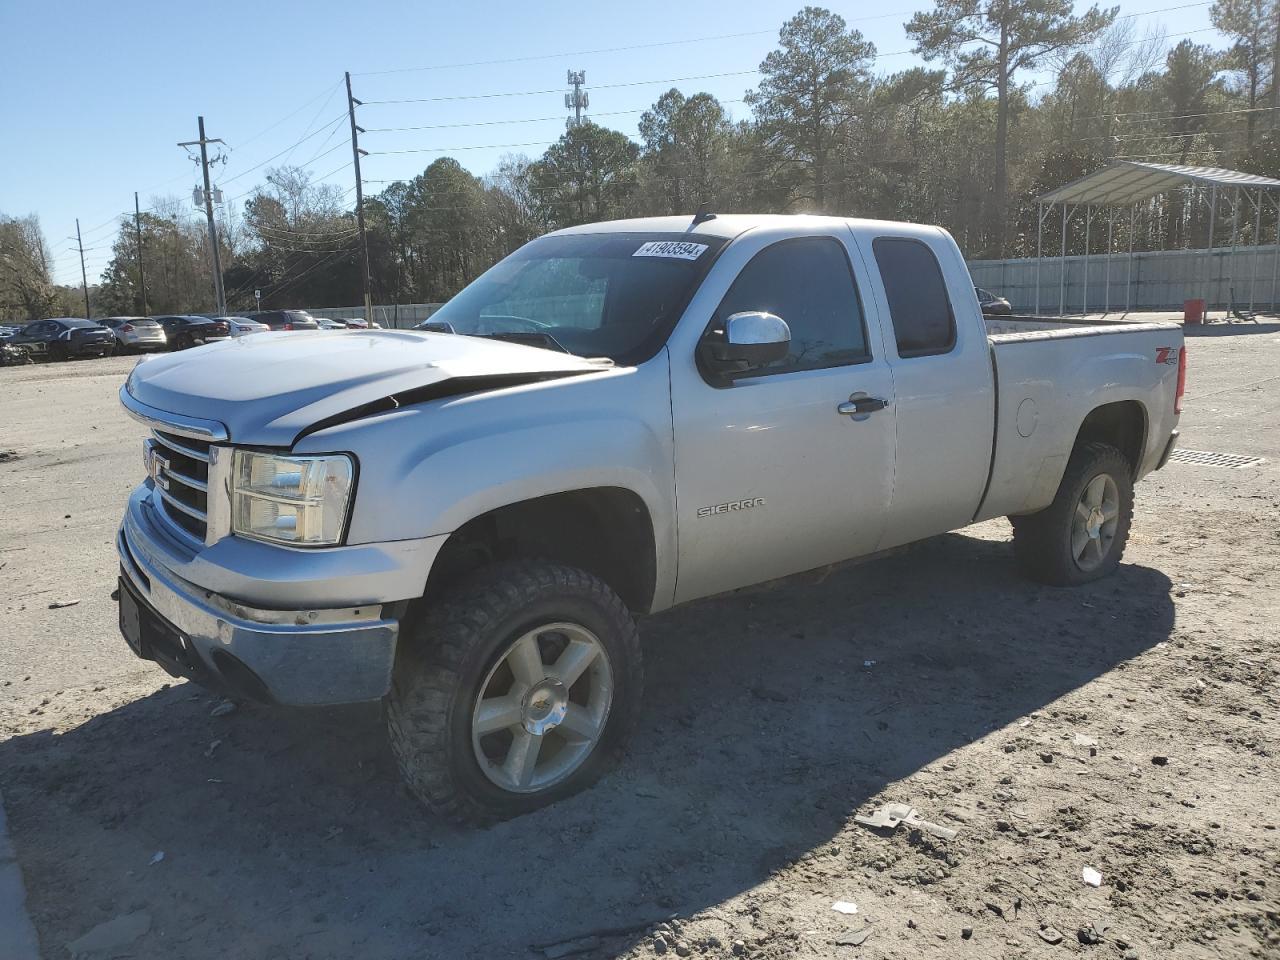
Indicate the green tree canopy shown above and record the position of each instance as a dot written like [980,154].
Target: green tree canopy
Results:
[811,89]
[987,43]
[588,174]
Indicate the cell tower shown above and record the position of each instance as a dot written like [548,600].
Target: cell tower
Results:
[578,100]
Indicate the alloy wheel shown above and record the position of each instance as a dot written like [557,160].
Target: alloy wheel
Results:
[543,707]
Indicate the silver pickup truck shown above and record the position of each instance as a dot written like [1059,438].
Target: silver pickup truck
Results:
[466,519]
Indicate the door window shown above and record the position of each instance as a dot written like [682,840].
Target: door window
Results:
[923,322]
[808,283]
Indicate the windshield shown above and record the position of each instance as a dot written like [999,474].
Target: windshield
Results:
[79,323]
[596,295]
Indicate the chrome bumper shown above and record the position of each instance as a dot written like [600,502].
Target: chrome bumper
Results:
[296,657]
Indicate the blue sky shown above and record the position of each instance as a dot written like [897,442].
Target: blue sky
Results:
[98,94]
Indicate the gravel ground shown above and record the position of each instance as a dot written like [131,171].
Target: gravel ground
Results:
[1129,726]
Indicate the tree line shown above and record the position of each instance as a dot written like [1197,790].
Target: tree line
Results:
[968,142]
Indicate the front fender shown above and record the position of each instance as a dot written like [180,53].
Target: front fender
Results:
[427,469]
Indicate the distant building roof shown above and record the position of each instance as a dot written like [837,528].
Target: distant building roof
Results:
[1127,181]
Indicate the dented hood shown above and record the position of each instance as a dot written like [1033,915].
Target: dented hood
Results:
[269,388]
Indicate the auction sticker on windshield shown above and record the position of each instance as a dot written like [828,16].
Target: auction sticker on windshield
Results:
[675,249]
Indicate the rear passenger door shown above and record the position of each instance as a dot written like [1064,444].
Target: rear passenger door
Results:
[939,355]
[775,472]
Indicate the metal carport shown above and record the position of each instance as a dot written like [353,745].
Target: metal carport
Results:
[1126,183]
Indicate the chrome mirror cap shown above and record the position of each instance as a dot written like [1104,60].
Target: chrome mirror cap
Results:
[756,327]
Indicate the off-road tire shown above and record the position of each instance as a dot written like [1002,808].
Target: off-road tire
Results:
[447,650]
[1042,541]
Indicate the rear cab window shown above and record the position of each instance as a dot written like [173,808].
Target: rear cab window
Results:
[924,325]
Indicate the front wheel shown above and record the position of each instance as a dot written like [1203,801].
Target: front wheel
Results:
[518,691]
[1082,534]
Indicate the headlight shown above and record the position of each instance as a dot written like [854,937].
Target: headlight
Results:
[294,500]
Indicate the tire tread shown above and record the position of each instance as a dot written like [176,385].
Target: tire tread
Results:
[429,672]
[1038,538]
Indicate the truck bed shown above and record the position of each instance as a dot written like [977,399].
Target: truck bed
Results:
[1017,326]
[1050,374]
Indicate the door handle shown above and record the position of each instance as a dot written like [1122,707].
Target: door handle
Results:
[861,405]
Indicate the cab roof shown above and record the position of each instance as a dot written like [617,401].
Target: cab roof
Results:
[730,225]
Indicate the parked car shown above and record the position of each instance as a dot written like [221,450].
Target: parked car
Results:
[636,414]
[329,323]
[136,334]
[286,319]
[8,331]
[242,326]
[63,338]
[359,323]
[991,304]
[186,330]
[11,354]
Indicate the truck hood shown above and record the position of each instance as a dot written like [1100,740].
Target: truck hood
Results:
[270,388]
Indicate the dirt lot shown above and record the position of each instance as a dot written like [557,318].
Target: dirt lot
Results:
[1130,726]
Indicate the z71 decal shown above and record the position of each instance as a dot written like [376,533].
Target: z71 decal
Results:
[1167,355]
[747,504]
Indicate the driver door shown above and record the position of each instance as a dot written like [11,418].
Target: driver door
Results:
[774,472]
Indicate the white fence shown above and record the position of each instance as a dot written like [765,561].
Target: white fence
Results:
[1161,280]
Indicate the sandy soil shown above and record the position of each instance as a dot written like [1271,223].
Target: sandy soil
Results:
[1129,726]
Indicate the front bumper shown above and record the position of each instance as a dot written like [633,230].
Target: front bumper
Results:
[305,656]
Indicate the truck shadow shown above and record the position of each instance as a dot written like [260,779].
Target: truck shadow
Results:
[771,717]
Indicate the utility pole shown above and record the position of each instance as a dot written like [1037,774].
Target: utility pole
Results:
[84,278]
[137,229]
[356,153]
[204,142]
[578,100]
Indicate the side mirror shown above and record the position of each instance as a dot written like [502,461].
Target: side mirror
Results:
[749,340]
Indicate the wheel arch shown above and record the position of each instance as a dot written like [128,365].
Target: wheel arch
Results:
[607,531]
[1122,424]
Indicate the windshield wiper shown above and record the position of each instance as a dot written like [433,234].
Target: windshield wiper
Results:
[528,338]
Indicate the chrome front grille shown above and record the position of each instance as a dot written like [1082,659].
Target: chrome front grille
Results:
[180,469]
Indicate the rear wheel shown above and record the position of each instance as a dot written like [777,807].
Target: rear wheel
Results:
[1081,536]
[520,690]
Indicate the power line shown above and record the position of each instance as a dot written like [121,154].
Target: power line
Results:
[336,120]
[1192,116]
[256,187]
[291,233]
[690,40]
[307,128]
[286,284]
[494,123]
[328,90]
[534,93]
[459,149]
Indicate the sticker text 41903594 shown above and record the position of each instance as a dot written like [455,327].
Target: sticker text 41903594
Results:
[672,249]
